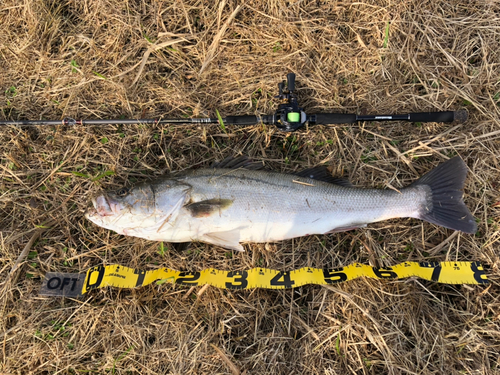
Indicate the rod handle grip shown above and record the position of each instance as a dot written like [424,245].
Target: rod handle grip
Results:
[335,118]
[446,116]
[241,120]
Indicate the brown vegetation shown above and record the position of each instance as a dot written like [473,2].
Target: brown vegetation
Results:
[139,58]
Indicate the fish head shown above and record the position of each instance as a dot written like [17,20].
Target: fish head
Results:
[141,209]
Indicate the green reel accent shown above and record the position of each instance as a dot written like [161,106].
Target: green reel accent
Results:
[293,117]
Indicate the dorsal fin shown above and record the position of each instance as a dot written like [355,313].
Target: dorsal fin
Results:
[321,173]
[235,162]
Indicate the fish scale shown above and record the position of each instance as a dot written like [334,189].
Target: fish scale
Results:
[226,207]
[271,206]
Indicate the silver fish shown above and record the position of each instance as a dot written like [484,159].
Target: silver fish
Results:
[226,206]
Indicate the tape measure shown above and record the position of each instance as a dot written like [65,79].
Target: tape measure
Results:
[74,285]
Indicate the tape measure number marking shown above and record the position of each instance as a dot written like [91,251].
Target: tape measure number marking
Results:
[72,285]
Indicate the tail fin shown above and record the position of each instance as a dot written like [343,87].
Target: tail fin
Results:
[445,206]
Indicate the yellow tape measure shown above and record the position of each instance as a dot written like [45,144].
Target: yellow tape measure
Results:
[57,284]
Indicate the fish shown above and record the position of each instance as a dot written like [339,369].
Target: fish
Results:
[235,202]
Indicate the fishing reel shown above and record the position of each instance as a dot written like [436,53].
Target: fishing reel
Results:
[289,116]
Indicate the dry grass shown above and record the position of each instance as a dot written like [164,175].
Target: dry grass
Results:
[83,58]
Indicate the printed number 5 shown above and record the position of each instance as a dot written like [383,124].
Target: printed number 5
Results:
[332,277]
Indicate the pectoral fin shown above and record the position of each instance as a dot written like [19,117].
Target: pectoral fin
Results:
[209,207]
[229,239]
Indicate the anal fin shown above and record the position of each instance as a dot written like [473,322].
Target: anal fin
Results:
[227,239]
[346,228]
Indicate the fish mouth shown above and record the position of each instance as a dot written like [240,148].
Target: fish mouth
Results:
[102,207]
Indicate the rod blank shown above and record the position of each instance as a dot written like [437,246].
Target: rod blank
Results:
[319,118]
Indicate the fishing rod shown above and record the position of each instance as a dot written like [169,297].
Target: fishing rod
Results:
[288,117]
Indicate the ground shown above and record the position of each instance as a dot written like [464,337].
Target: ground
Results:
[182,58]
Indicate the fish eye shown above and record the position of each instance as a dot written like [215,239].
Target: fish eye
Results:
[122,192]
